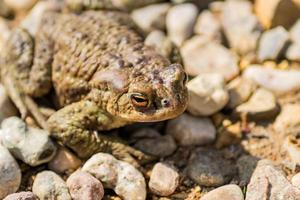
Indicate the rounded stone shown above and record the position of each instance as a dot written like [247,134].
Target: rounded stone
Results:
[226,192]
[83,185]
[21,196]
[10,173]
[48,185]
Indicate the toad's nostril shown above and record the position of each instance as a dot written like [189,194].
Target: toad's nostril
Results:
[165,102]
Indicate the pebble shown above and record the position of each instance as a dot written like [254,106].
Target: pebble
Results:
[20,6]
[207,94]
[239,90]
[189,130]
[21,196]
[272,43]
[292,146]
[64,161]
[151,17]
[200,55]
[226,192]
[295,32]
[296,180]
[164,179]
[181,28]
[288,121]
[161,43]
[120,176]
[161,146]
[207,167]
[269,182]
[208,25]
[246,165]
[31,145]
[274,13]
[48,185]
[277,81]
[261,105]
[83,185]
[10,173]
[241,27]
[6,106]
[293,52]
[33,20]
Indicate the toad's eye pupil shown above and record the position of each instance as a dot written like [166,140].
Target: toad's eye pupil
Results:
[139,101]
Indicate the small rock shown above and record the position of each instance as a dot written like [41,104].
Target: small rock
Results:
[292,146]
[20,6]
[295,32]
[226,192]
[239,90]
[31,145]
[162,44]
[82,185]
[296,180]
[268,182]
[120,176]
[246,165]
[272,43]
[6,106]
[241,27]
[64,161]
[207,167]
[208,25]
[207,94]
[293,52]
[48,185]
[21,196]
[261,105]
[189,130]
[288,121]
[151,17]
[200,55]
[277,81]
[10,173]
[33,20]
[274,13]
[181,28]
[164,180]
[161,146]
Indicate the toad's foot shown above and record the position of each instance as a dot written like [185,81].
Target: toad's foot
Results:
[76,126]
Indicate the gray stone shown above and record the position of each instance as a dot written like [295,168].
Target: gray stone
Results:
[207,94]
[151,17]
[277,81]
[120,176]
[295,32]
[226,192]
[268,182]
[31,145]
[261,105]
[161,146]
[207,167]
[241,27]
[208,25]
[181,28]
[293,52]
[189,130]
[200,55]
[64,161]
[296,180]
[10,173]
[164,179]
[288,121]
[246,165]
[272,43]
[48,185]
[21,196]
[239,90]
[83,185]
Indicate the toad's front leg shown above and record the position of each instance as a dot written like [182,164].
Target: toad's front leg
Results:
[76,126]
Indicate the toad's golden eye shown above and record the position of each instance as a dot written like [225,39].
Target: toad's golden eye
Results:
[139,100]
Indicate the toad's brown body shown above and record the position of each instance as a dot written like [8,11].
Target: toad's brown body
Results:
[103,75]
